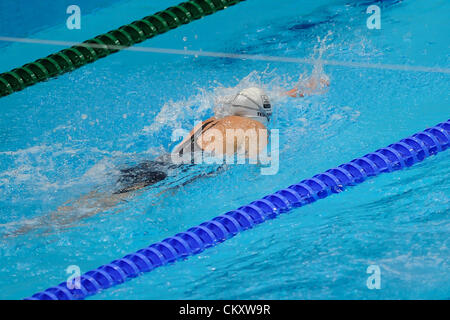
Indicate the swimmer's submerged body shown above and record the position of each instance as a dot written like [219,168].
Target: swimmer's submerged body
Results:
[250,109]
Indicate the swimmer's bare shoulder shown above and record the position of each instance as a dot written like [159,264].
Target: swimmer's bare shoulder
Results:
[242,130]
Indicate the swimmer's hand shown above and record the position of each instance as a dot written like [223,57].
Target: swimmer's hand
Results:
[294,93]
[310,87]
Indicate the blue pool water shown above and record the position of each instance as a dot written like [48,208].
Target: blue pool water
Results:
[61,139]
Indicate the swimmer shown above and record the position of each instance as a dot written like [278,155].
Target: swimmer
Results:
[249,109]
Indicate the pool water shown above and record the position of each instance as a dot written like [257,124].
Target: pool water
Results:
[64,138]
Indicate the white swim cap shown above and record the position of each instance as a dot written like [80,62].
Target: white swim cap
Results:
[251,103]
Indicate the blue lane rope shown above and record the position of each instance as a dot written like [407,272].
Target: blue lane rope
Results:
[396,156]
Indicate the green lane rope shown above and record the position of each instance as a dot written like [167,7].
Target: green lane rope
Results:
[105,44]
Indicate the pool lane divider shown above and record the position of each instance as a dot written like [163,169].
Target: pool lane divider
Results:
[105,44]
[394,157]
